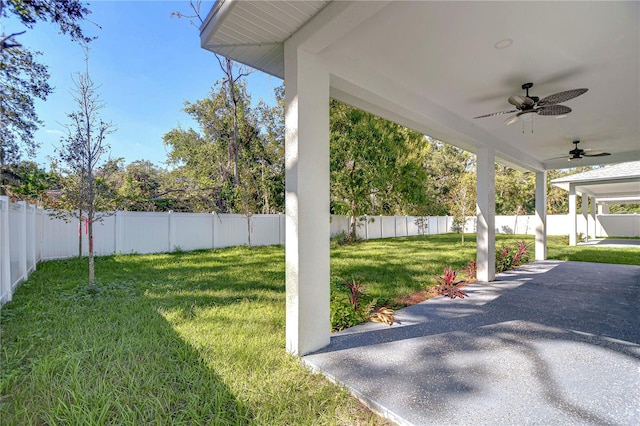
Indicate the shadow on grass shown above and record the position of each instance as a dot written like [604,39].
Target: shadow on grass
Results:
[72,357]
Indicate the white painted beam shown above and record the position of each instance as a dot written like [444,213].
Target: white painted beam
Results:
[307,202]
[486,230]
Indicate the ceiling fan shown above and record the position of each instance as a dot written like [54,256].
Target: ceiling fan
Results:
[578,153]
[534,105]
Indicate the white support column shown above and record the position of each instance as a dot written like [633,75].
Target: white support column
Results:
[594,232]
[585,215]
[486,236]
[572,215]
[541,216]
[307,202]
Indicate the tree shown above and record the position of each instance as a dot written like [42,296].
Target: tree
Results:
[203,161]
[462,202]
[22,78]
[86,189]
[444,165]
[31,183]
[372,166]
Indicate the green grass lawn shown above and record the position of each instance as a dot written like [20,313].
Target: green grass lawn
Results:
[196,338]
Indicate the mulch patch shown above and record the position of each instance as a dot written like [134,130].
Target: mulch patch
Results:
[422,295]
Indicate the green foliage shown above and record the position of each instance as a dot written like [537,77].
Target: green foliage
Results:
[342,238]
[511,256]
[186,338]
[212,172]
[350,304]
[374,168]
[22,78]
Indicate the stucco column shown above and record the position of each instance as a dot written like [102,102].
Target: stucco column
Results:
[485,208]
[572,215]
[307,202]
[541,216]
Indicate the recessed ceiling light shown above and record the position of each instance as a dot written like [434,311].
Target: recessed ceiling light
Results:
[561,116]
[503,44]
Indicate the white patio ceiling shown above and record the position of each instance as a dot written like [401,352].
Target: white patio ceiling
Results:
[433,66]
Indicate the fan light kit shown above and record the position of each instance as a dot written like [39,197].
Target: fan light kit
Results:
[534,105]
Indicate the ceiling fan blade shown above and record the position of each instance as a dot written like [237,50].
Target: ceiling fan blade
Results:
[521,101]
[493,114]
[553,110]
[596,154]
[557,98]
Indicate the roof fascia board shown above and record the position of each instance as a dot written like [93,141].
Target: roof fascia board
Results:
[220,10]
[333,22]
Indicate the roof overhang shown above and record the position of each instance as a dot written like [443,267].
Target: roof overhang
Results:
[619,184]
[433,66]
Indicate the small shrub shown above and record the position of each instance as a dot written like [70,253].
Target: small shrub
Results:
[356,290]
[342,238]
[471,270]
[355,308]
[510,256]
[448,286]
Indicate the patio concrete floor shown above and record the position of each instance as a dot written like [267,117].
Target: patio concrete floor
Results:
[549,343]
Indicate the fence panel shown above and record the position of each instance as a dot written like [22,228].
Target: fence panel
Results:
[192,231]
[339,223]
[31,239]
[388,226]
[17,246]
[265,230]
[143,232]
[59,238]
[401,226]
[230,230]
[619,225]
[374,229]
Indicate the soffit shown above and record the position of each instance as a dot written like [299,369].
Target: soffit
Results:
[434,66]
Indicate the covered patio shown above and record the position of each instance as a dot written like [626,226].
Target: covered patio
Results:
[548,343]
[617,184]
[433,67]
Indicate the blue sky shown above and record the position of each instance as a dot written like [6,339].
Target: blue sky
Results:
[147,63]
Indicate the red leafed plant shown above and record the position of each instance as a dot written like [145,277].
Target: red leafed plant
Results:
[471,270]
[356,289]
[448,286]
[521,255]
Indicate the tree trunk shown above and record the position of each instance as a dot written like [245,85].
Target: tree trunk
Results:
[80,234]
[249,229]
[92,269]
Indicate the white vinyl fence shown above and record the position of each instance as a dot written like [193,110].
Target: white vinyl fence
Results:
[29,234]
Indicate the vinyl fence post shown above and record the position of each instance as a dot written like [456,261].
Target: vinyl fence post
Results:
[6,292]
[23,240]
[32,245]
[366,227]
[115,232]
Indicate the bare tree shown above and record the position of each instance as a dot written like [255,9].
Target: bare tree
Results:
[86,190]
